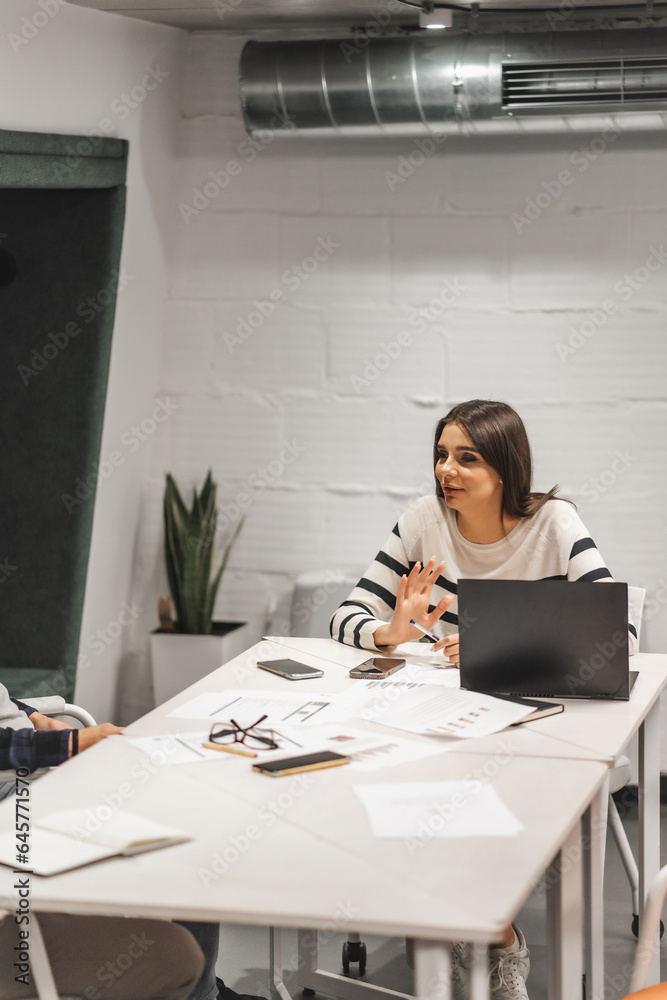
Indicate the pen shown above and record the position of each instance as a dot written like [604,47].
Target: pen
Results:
[229,749]
[188,747]
[429,635]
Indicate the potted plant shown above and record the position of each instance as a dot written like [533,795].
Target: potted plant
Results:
[190,645]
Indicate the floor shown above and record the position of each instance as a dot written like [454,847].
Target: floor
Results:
[244,952]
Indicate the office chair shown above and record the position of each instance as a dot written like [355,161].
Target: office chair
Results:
[54,706]
[646,944]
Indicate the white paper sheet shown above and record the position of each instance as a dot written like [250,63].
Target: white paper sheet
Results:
[368,751]
[249,706]
[428,809]
[424,672]
[188,748]
[421,649]
[181,748]
[434,710]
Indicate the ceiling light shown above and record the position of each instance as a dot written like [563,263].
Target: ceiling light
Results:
[436,19]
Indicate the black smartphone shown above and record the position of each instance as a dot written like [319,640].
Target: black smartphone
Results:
[378,667]
[306,762]
[291,669]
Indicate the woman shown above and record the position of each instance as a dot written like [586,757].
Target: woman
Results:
[484,522]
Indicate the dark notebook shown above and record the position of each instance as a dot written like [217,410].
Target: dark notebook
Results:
[542,708]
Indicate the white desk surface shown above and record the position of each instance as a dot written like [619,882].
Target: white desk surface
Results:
[314,861]
[586,730]
[604,728]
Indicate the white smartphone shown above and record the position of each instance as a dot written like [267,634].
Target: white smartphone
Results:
[291,669]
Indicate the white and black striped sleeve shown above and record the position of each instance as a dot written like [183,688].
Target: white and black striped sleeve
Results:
[372,602]
[586,565]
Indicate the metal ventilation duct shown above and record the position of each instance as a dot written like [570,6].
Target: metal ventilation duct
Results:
[457,84]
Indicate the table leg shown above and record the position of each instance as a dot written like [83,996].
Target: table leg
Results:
[276,962]
[433,970]
[564,920]
[594,828]
[479,972]
[649,818]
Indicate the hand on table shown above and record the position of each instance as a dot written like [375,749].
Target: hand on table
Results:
[412,601]
[93,734]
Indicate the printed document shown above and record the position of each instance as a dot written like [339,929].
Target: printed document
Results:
[246,707]
[367,751]
[175,748]
[434,709]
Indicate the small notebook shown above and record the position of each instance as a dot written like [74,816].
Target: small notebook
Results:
[541,708]
[76,837]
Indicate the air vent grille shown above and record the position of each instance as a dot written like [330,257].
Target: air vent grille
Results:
[605,81]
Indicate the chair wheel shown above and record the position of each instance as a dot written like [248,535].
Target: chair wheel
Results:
[635,926]
[354,951]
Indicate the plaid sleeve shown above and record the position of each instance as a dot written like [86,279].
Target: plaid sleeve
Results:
[26,748]
[28,709]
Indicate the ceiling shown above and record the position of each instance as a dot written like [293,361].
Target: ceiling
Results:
[255,16]
[252,15]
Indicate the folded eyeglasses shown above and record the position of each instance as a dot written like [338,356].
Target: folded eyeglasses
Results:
[252,737]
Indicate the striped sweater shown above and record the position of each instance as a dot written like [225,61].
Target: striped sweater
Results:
[553,544]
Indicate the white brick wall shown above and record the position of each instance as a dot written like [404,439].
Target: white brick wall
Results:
[516,292]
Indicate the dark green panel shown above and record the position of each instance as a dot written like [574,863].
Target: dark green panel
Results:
[56,322]
[43,160]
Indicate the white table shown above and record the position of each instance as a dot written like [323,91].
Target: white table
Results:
[602,730]
[296,854]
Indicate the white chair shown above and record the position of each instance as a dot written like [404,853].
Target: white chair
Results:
[56,707]
[316,596]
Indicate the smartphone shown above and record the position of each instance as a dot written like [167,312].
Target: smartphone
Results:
[291,669]
[306,762]
[379,666]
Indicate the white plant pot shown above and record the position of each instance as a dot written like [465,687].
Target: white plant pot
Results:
[179,660]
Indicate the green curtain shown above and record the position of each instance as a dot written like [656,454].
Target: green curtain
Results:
[62,206]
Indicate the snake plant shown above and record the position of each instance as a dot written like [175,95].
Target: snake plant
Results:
[189,537]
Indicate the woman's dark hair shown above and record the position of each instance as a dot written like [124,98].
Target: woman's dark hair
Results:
[498,433]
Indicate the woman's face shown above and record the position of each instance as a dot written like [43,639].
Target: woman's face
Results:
[467,481]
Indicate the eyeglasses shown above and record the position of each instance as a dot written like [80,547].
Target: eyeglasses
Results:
[228,733]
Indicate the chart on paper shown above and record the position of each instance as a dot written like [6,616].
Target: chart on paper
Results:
[249,706]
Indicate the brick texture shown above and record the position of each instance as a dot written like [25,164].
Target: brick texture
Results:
[541,313]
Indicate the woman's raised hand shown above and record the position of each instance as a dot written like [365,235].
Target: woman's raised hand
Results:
[412,601]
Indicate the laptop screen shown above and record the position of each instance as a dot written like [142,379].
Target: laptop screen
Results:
[548,638]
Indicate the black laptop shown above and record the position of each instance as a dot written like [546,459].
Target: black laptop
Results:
[548,638]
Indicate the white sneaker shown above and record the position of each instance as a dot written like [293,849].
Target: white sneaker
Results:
[460,971]
[509,968]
